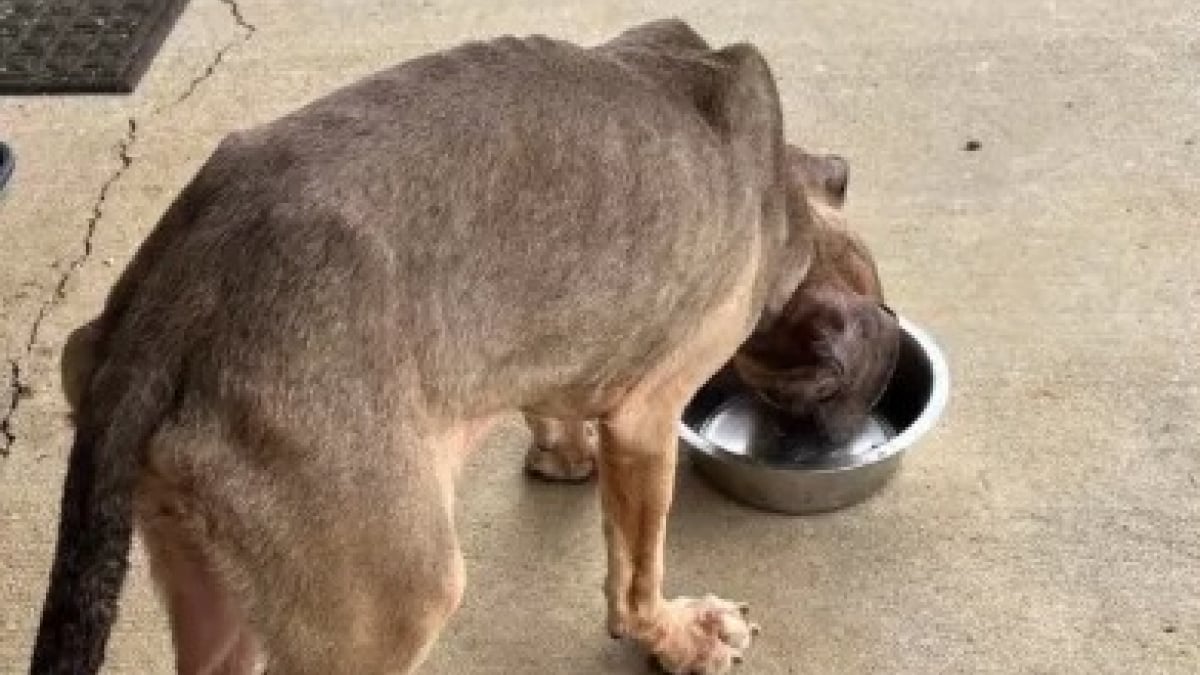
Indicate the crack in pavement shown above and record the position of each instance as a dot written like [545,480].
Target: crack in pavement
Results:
[248,30]
[7,435]
[241,20]
[18,388]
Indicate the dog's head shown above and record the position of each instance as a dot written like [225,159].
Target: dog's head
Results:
[828,355]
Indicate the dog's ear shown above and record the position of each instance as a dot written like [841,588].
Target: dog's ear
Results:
[825,177]
[835,178]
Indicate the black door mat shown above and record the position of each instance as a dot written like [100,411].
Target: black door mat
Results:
[80,46]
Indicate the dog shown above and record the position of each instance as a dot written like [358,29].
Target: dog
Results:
[283,383]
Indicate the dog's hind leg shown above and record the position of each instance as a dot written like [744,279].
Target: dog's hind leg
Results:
[562,450]
[209,632]
[342,559]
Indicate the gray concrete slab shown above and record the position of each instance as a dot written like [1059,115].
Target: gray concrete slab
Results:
[1051,524]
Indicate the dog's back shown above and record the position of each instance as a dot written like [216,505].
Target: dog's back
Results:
[448,215]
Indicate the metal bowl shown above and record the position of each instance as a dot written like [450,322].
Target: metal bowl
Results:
[723,431]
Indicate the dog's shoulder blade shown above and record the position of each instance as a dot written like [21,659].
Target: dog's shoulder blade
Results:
[745,102]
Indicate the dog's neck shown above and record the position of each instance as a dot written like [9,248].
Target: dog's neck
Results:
[791,261]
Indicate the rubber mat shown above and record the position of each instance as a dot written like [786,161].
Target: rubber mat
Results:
[80,46]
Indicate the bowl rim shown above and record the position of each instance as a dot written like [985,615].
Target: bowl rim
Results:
[939,396]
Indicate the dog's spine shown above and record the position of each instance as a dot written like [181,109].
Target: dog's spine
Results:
[96,529]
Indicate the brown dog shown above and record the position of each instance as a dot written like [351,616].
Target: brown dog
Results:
[282,385]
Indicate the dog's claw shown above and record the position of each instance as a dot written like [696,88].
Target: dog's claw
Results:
[755,629]
[744,608]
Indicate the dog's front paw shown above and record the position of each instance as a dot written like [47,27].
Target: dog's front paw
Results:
[555,465]
[698,635]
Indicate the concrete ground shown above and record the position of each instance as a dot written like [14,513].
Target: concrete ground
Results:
[1051,523]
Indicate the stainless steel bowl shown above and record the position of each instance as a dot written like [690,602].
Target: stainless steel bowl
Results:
[722,429]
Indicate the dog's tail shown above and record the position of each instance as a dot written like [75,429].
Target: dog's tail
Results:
[96,523]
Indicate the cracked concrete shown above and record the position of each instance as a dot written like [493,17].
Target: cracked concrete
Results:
[8,436]
[236,11]
[17,391]
[1050,524]
[20,389]
[248,32]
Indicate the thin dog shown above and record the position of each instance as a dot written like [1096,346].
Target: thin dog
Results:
[283,383]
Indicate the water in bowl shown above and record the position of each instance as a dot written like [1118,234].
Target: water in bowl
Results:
[744,426]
